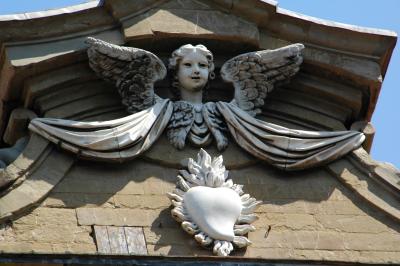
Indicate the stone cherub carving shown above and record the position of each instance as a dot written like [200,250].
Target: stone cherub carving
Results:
[134,72]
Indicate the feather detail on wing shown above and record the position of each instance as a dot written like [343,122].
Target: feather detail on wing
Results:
[180,123]
[254,74]
[217,125]
[134,71]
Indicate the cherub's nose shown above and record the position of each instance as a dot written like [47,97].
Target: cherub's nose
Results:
[196,69]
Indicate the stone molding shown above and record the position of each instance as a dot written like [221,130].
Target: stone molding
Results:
[31,177]
[376,183]
[52,12]
[13,174]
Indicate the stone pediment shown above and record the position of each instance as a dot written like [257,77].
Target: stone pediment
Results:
[350,61]
[329,213]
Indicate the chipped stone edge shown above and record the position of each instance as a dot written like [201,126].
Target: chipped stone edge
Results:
[388,185]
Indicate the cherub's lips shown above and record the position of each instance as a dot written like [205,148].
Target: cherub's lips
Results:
[195,78]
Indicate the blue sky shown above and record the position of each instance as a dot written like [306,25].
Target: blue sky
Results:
[369,13]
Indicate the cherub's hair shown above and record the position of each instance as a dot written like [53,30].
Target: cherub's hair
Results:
[176,58]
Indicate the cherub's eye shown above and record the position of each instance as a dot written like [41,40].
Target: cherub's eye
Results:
[187,64]
[202,65]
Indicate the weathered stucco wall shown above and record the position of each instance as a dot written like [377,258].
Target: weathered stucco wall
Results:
[304,216]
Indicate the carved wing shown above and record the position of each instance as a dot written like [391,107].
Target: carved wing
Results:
[134,72]
[254,74]
[216,124]
[180,123]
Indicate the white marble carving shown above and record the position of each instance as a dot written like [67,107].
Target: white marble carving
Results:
[211,207]
[187,119]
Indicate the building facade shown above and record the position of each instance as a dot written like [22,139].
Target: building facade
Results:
[57,208]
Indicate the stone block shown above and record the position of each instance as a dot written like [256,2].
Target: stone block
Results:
[157,187]
[166,236]
[52,225]
[56,234]
[339,207]
[131,178]
[372,242]
[188,249]
[201,23]
[121,217]
[132,188]
[121,8]
[330,207]
[351,223]
[25,247]
[295,239]
[44,216]
[76,200]
[284,206]
[51,23]
[269,253]
[291,221]
[326,255]
[379,257]
[326,240]
[141,201]
[62,248]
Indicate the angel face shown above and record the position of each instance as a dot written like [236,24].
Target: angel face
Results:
[193,71]
[192,66]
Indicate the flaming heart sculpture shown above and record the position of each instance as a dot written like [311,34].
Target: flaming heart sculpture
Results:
[211,207]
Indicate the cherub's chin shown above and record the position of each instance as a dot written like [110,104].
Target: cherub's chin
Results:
[195,87]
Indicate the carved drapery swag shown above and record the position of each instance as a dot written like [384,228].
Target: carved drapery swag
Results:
[124,139]
[253,75]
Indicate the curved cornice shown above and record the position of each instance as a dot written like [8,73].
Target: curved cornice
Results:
[376,183]
[52,12]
